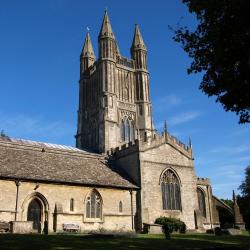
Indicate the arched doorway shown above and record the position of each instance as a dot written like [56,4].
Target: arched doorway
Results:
[34,214]
[35,208]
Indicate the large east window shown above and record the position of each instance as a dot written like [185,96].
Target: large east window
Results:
[171,194]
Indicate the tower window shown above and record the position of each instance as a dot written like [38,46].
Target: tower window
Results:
[94,205]
[122,130]
[171,195]
[127,130]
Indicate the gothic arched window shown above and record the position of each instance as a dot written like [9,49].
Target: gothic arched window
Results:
[201,202]
[94,205]
[122,130]
[127,130]
[171,194]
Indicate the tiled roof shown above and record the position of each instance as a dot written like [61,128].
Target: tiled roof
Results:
[36,161]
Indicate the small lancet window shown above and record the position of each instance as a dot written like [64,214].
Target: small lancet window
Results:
[127,130]
[122,130]
[94,205]
[71,204]
[120,207]
[171,195]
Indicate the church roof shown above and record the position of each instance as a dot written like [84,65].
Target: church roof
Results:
[45,162]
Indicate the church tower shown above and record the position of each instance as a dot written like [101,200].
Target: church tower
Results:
[114,100]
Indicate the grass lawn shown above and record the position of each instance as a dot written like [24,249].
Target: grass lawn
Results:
[78,242]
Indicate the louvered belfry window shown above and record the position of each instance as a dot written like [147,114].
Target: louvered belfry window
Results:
[171,194]
[94,205]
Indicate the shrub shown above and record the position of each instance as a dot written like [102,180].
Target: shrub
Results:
[170,225]
[210,231]
[217,231]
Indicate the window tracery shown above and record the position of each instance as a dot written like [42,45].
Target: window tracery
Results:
[127,130]
[94,205]
[171,195]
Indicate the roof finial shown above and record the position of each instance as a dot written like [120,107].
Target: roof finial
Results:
[87,28]
[190,143]
[165,127]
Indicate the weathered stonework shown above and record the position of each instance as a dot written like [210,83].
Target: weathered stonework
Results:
[126,175]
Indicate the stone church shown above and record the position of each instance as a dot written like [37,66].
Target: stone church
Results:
[122,175]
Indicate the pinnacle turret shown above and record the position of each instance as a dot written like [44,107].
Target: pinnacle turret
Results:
[106,29]
[87,57]
[87,50]
[138,40]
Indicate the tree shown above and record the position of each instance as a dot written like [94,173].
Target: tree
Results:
[220,48]
[228,202]
[244,199]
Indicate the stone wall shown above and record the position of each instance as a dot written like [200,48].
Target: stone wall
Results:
[53,195]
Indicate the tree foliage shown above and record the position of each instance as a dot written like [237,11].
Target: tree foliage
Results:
[228,202]
[220,48]
[244,199]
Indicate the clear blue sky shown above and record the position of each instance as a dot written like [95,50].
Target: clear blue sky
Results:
[40,44]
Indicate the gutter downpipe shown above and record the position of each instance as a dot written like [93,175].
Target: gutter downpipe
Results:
[17,182]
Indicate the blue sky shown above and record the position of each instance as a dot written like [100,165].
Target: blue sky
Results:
[40,44]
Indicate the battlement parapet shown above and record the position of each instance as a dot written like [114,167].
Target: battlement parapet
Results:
[124,149]
[203,181]
[166,137]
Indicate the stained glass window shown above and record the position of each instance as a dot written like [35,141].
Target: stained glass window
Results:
[171,195]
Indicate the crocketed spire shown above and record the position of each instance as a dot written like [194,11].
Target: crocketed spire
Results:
[87,50]
[138,40]
[106,29]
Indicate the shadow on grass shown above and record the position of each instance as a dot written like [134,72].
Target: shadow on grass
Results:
[78,242]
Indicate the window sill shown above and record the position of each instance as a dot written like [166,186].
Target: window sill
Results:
[93,220]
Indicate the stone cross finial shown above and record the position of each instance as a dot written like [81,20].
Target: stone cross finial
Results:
[190,143]
[165,126]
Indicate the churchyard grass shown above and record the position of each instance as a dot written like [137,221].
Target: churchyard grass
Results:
[78,242]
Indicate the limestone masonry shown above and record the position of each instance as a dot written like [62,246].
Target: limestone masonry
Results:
[122,175]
